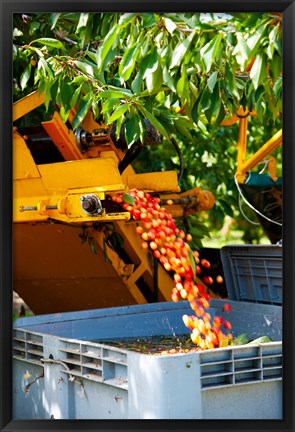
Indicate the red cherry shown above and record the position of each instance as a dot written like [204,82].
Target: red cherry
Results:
[167,266]
[205,263]
[157,254]
[227,307]
[151,235]
[208,280]
[144,245]
[188,237]
[139,230]
[145,236]
[153,245]
[169,245]
[227,325]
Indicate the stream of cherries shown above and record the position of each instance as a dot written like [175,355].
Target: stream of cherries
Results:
[170,245]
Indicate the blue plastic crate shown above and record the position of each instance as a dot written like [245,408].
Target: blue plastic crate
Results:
[70,373]
[253,273]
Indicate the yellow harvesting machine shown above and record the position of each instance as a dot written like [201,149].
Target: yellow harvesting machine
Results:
[63,218]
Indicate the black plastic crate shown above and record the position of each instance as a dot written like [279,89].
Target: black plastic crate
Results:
[253,273]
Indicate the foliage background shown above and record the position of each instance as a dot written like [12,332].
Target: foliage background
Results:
[183,72]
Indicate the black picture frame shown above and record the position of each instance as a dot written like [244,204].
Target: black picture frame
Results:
[287,7]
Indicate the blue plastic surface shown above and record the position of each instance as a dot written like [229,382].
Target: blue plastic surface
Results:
[87,379]
[253,273]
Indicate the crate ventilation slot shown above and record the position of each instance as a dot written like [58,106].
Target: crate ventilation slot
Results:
[253,273]
[241,365]
[28,346]
[94,362]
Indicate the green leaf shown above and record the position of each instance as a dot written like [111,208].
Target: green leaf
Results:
[33,27]
[226,207]
[137,83]
[278,44]
[42,64]
[154,80]
[215,101]
[253,41]
[84,67]
[126,18]
[212,81]
[142,127]
[47,94]
[75,97]
[200,231]
[170,25]
[243,47]
[119,124]
[205,101]
[129,199]
[86,33]
[242,339]
[95,109]
[132,130]
[53,19]
[276,66]
[241,51]
[231,82]
[180,50]
[113,94]
[25,76]
[182,129]
[83,109]
[91,55]
[260,340]
[182,86]
[118,112]
[168,80]
[54,89]
[110,105]
[149,63]
[82,20]
[208,114]
[258,71]
[210,51]
[195,110]
[79,79]
[259,93]
[202,127]
[192,261]
[105,47]
[64,114]
[240,84]
[277,88]
[66,93]
[148,20]
[126,92]
[50,42]
[41,87]
[128,61]
[154,121]
[220,115]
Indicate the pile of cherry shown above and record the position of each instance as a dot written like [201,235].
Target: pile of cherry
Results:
[169,245]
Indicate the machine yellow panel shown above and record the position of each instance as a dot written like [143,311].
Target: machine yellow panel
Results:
[27,104]
[54,271]
[81,174]
[63,138]
[156,182]
[23,163]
